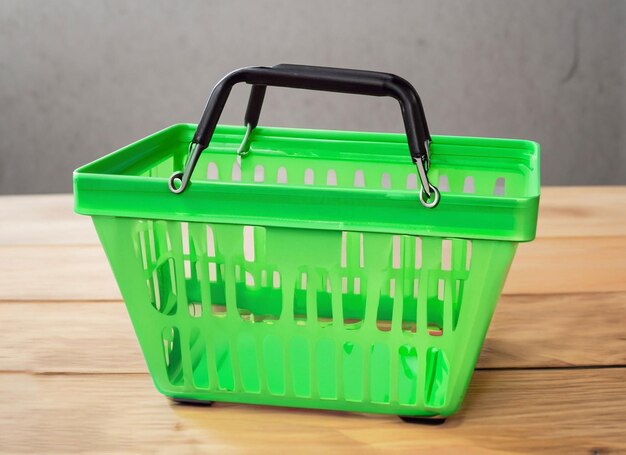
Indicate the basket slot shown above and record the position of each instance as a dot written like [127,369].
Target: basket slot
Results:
[331,177]
[386,307]
[212,172]
[437,370]
[385,181]
[223,362]
[309,176]
[198,354]
[499,186]
[172,355]
[411,182]
[359,179]
[442,184]
[281,175]
[407,374]
[259,173]
[162,287]
[469,185]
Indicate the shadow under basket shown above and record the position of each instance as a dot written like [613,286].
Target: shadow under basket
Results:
[307,273]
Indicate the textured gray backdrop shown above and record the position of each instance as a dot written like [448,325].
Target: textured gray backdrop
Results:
[79,79]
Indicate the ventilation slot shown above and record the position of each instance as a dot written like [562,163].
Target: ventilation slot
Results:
[162,287]
[437,369]
[331,178]
[411,182]
[248,243]
[446,255]
[309,177]
[197,349]
[385,307]
[418,252]
[407,379]
[211,171]
[436,294]
[468,185]
[172,355]
[359,179]
[259,173]
[385,181]
[281,176]
[187,264]
[396,252]
[223,363]
[353,302]
[443,184]
[498,189]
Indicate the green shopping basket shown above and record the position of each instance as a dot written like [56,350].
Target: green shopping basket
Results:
[309,268]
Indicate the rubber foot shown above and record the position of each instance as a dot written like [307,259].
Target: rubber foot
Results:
[423,420]
[191,402]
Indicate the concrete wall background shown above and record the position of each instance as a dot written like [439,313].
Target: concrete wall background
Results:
[79,79]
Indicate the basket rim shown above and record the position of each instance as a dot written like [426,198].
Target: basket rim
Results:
[104,186]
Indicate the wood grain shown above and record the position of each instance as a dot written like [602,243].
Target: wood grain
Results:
[559,265]
[548,411]
[60,272]
[526,332]
[43,220]
[546,266]
[574,211]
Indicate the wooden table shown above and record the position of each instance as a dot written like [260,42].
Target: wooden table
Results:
[551,377]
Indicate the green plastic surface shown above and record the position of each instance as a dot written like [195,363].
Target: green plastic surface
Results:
[320,282]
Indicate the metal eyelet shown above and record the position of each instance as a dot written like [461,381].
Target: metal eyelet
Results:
[176,183]
[433,200]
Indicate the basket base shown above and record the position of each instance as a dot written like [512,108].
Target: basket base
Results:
[435,420]
[423,420]
[190,402]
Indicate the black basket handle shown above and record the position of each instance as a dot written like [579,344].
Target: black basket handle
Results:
[314,78]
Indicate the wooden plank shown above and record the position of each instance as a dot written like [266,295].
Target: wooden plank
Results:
[582,211]
[556,330]
[546,266]
[572,265]
[572,411]
[61,337]
[527,331]
[564,212]
[43,220]
[59,272]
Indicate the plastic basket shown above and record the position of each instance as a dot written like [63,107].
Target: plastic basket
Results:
[307,273]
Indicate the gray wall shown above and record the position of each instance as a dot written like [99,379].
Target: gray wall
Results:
[79,79]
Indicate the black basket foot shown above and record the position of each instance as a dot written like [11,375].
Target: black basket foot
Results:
[191,402]
[423,420]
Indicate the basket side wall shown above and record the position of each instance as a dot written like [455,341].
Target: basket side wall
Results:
[326,319]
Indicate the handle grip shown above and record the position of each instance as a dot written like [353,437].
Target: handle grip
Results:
[257,93]
[314,78]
